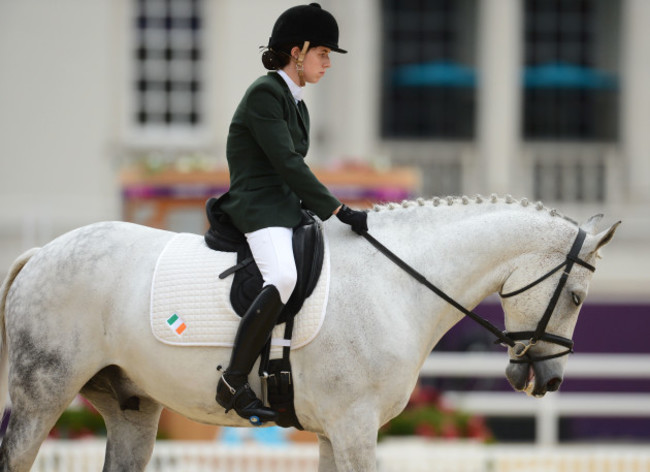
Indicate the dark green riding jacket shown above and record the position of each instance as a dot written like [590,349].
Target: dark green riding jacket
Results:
[267,143]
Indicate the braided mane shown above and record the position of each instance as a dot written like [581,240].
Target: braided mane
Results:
[476,199]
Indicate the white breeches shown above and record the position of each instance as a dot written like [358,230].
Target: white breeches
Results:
[272,250]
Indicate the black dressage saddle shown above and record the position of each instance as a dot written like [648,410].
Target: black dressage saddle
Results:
[308,250]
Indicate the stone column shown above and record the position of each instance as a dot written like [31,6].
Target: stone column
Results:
[499,96]
[346,104]
[635,99]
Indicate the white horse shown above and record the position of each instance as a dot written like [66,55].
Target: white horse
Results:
[74,318]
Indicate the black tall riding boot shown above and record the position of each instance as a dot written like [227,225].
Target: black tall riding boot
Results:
[255,327]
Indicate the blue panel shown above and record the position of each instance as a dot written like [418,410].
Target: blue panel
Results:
[565,75]
[434,74]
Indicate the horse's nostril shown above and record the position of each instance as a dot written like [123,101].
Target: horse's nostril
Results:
[553,384]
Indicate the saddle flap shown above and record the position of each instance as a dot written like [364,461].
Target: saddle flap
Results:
[308,250]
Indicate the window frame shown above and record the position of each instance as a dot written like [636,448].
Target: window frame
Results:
[172,137]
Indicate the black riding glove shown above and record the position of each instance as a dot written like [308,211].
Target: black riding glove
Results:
[355,218]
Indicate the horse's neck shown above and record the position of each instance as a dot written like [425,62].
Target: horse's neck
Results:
[467,251]
[460,245]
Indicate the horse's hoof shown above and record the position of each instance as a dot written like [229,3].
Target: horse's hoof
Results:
[255,420]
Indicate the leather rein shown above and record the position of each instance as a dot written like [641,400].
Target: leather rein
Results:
[512,339]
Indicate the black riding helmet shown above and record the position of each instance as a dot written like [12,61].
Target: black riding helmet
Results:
[306,23]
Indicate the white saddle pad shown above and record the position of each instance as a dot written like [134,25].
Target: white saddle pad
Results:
[190,305]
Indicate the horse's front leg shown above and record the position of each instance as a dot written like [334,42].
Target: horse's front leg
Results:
[326,461]
[352,441]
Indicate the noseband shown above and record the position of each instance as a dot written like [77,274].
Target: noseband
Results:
[512,339]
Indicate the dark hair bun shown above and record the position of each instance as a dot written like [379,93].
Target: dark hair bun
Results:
[271,60]
[274,60]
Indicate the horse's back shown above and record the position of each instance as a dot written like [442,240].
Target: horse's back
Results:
[98,250]
[89,272]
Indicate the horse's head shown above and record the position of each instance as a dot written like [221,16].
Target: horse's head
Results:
[541,299]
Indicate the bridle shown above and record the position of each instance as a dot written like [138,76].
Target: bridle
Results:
[512,339]
[515,338]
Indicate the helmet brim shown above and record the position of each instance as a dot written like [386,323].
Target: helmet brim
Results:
[333,47]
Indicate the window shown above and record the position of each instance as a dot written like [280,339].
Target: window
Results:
[575,172]
[428,79]
[570,80]
[168,59]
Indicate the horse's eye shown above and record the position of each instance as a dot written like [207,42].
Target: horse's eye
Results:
[576,298]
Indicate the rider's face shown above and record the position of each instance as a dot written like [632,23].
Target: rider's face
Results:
[317,61]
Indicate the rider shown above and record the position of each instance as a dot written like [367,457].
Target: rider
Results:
[270,182]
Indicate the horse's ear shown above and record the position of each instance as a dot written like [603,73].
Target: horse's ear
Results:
[606,236]
[590,225]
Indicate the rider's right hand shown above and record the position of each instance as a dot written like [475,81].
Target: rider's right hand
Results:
[355,218]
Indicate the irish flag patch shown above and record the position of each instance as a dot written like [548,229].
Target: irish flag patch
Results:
[176,324]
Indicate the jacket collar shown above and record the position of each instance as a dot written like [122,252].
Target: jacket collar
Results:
[283,83]
[299,105]
[295,89]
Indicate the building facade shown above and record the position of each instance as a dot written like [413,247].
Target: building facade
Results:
[540,99]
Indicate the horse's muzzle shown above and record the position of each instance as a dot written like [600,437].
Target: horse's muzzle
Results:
[534,379]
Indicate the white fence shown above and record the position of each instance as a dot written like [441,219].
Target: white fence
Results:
[549,409]
[392,456]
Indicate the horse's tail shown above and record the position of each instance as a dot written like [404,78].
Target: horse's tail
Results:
[4,351]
